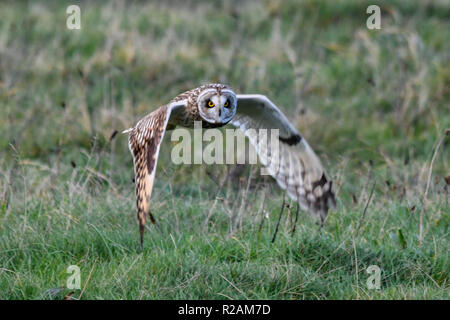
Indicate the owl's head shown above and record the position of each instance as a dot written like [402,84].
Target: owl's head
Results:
[217,104]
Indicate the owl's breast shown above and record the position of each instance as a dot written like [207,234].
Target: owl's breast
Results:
[208,125]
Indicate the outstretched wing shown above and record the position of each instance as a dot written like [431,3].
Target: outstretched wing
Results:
[291,161]
[144,142]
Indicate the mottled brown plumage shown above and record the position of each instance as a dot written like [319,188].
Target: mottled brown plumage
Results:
[144,141]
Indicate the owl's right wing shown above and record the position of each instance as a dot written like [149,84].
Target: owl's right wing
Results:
[292,162]
[144,141]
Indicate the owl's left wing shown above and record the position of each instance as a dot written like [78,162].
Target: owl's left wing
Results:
[291,161]
[144,141]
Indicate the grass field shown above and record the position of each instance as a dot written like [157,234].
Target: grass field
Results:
[374,104]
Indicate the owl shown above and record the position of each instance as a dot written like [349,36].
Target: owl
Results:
[295,166]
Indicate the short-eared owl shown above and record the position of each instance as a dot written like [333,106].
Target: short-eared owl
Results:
[296,167]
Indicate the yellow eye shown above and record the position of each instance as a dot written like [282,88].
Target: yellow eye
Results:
[210,104]
[226,104]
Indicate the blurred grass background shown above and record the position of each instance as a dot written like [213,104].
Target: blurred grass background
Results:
[373,104]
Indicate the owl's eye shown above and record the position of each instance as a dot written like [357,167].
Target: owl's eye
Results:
[210,104]
[226,104]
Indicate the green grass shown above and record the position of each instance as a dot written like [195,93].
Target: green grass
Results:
[373,104]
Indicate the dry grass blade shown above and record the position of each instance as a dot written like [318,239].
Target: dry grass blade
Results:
[365,209]
[87,281]
[424,200]
[279,218]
